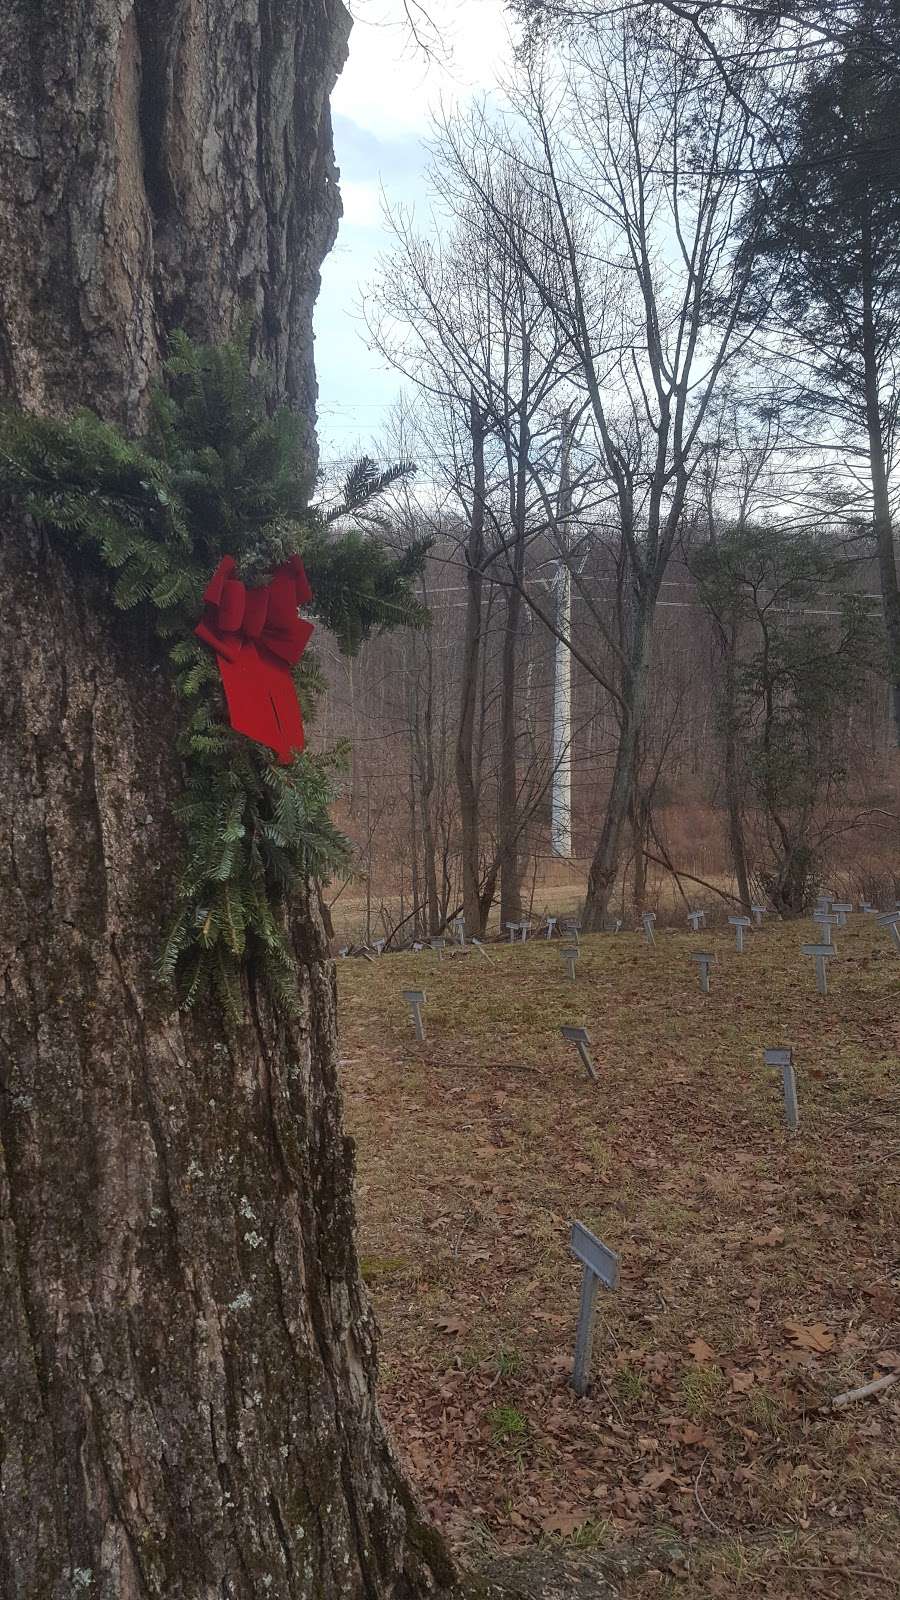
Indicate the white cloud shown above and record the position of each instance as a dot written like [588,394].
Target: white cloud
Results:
[383,103]
[362,204]
[386,85]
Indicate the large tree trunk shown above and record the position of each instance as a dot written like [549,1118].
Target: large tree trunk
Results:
[186,1352]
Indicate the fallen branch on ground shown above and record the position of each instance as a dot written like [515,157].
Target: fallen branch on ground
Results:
[876,1387]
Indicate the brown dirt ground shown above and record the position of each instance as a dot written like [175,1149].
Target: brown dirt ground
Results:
[760,1271]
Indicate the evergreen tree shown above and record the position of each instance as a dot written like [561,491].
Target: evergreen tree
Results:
[796,671]
[825,232]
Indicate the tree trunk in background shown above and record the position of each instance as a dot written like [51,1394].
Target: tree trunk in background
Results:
[507,807]
[466,784]
[736,841]
[186,1352]
[881,500]
[607,855]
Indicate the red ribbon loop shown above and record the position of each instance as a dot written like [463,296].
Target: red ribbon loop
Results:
[258,635]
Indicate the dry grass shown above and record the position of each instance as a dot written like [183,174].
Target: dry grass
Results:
[476,1150]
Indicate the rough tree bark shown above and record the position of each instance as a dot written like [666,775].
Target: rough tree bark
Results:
[186,1353]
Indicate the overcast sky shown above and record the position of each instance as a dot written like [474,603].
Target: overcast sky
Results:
[381,108]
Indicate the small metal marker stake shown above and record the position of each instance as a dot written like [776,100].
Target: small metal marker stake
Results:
[648,918]
[415,999]
[524,931]
[551,924]
[601,1265]
[784,1060]
[705,960]
[841,909]
[378,945]
[821,953]
[581,1039]
[697,920]
[825,921]
[512,926]
[570,954]
[739,924]
[459,928]
[758,914]
[891,919]
[569,930]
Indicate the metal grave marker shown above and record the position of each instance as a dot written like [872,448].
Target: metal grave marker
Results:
[601,1265]
[821,952]
[705,959]
[481,950]
[648,918]
[891,919]
[511,926]
[570,930]
[378,945]
[551,924]
[739,924]
[415,999]
[459,928]
[784,1060]
[758,912]
[581,1039]
[825,921]
[570,954]
[524,931]
[841,909]
[697,920]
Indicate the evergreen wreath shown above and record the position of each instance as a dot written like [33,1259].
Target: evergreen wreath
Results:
[217,475]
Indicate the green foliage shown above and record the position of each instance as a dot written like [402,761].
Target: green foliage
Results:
[217,475]
[805,645]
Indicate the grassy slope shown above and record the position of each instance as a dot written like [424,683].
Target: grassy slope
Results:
[477,1148]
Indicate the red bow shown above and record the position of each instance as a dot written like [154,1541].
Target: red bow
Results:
[258,636]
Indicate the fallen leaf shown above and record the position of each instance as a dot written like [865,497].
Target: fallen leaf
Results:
[701,1351]
[742,1382]
[564,1522]
[655,1478]
[692,1433]
[774,1236]
[450,1324]
[882,1298]
[808,1336]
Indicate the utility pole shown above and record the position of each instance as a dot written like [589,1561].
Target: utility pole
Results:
[561,781]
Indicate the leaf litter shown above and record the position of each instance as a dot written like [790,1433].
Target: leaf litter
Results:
[759,1271]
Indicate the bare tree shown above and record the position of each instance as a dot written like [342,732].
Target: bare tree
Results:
[640,150]
[464,320]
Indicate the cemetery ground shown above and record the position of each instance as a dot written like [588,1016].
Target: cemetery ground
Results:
[760,1271]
